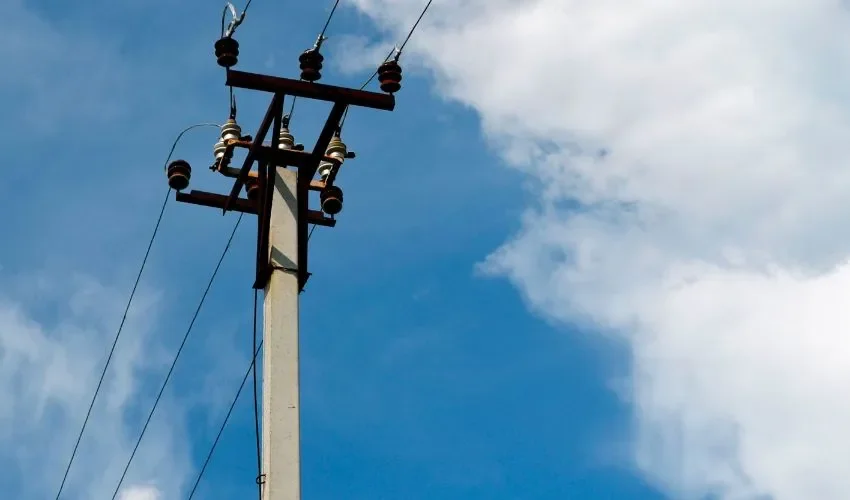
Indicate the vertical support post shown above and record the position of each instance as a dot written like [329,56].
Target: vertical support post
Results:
[281,394]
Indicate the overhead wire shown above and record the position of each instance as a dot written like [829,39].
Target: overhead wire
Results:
[228,33]
[176,357]
[328,21]
[397,56]
[126,310]
[254,348]
[415,25]
[319,41]
[235,22]
[251,367]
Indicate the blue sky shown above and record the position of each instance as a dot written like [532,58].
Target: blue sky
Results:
[526,319]
[422,378]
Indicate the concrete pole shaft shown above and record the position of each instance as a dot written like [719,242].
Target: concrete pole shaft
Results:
[281,394]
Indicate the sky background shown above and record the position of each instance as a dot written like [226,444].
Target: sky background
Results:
[421,377]
[610,261]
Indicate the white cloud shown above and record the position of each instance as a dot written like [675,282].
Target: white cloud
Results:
[354,53]
[48,370]
[710,235]
[141,493]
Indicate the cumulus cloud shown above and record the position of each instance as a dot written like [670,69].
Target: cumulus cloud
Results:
[50,362]
[690,160]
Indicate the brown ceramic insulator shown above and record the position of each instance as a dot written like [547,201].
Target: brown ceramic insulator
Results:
[179,172]
[331,199]
[227,52]
[252,189]
[311,65]
[389,76]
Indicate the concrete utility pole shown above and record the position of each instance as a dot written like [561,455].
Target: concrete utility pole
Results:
[281,395]
[279,196]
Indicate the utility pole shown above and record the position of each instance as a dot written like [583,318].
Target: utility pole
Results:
[281,392]
[279,196]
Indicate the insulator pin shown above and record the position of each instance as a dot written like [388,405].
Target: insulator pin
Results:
[286,139]
[336,149]
[230,130]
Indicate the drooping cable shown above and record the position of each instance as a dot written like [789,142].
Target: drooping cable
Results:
[257,407]
[224,423]
[176,357]
[114,343]
[126,311]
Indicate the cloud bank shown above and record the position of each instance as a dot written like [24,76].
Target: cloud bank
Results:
[691,183]
[48,369]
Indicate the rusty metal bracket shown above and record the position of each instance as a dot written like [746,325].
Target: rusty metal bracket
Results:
[270,157]
[274,112]
[308,90]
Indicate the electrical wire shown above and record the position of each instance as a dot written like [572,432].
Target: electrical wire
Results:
[235,22]
[415,25]
[397,56]
[224,423]
[328,22]
[177,356]
[292,107]
[319,41]
[126,310]
[365,84]
[257,407]
[114,343]
[180,136]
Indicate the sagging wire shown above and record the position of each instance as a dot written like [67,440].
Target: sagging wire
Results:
[126,309]
[224,424]
[180,135]
[176,357]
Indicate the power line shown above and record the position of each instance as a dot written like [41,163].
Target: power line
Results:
[114,343]
[235,22]
[319,41]
[410,33]
[224,423]
[397,55]
[180,136]
[177,356]
[328,22]
[126,310]
[366,83]
[254,348]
